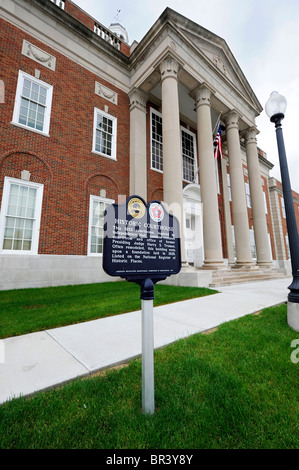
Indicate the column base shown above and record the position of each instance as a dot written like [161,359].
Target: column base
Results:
[265,264]
[245,265]
[214,264]
[184,264]
[293,315]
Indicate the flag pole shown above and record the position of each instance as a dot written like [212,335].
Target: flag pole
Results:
[216,127]
[217,124]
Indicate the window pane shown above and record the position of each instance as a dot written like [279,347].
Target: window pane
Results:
[104,135]
[188,156]
[17,245]
[33,105]
[97,226]
[26,88]
[27,245]
[7,244]
[19,220]
[157,152]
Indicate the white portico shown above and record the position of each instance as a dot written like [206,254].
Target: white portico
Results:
[190,76]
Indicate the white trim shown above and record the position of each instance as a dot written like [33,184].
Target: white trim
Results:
[283,210]
[248,195]
[91,201]
[195,168]
[265,202]
[229,188]
[154,111]
[252,244]
[37,214]
[48,105]
[29,128]
[114,134]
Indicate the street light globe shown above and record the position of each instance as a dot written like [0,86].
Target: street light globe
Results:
[276,105]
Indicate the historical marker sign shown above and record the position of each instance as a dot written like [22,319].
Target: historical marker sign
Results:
[141,240]
[142,245]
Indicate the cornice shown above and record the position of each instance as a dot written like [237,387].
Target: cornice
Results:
[79,28]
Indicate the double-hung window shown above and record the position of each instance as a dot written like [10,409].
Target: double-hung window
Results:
[248,197]
[33,104]
[20,216]
[188,144]
[96,224]
[104,134]
[188,148]
[156,141]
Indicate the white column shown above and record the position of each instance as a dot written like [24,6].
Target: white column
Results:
[208,184]
[138,170]
[172,155]
[257,200]
[239,206]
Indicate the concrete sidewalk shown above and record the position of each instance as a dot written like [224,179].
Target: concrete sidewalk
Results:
[38,361]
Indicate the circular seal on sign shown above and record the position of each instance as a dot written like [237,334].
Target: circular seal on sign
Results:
[156,212]
[136,208]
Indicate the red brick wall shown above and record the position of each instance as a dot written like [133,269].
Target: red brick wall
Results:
[64,162]
[79,14]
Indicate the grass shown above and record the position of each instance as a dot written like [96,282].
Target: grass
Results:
[235,388]
[27,310]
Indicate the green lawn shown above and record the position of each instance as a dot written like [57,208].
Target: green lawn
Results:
[236,388]
[27,310]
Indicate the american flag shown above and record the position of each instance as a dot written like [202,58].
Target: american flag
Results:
[218,144]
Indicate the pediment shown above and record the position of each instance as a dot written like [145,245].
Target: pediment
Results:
[216,53]
[220,57]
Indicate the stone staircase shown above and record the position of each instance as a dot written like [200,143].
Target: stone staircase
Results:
[229,276]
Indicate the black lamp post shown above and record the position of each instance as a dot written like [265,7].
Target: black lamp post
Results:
[275,109]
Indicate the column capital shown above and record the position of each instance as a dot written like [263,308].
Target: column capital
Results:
[138,99]
[202,95]
[231,120]
[250,134]
[169,68]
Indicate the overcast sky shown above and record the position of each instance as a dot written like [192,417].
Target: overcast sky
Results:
[263,36]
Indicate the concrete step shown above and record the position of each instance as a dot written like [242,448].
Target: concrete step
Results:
[239,276]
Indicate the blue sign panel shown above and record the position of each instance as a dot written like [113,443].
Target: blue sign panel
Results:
[141,241]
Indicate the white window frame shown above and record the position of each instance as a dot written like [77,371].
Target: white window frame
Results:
[153,111]
[229,187]
[91,201]
[283,209]
[248,196]
[234,242]
[114,134]
[59,3]
[288,246]
[183,129]
[265,202]
[37,215]
[16,114]
[252,243]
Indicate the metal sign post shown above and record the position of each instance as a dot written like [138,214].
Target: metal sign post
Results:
[148,387]
[142,244]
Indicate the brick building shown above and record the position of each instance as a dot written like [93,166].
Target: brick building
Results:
[87,119]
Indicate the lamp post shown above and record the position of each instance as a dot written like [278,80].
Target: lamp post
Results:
[275,109]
